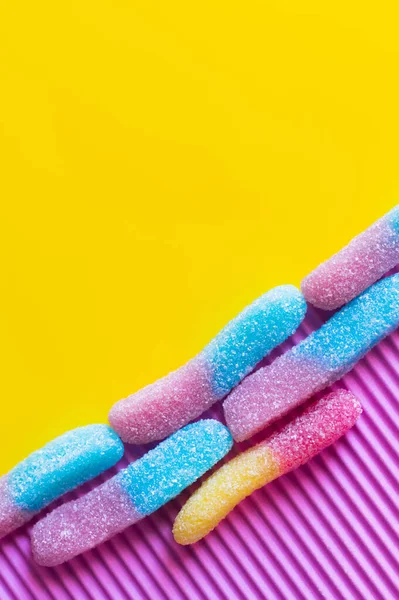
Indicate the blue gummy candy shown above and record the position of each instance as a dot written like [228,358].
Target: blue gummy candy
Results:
[63,464]
[255,332]
[356,328]
[174,464]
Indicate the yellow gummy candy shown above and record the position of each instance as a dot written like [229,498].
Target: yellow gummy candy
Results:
[219,494]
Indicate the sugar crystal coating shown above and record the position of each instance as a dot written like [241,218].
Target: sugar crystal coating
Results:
[176,463]
[159,409]
[82,524]
[64,463]
[319,360]
[133,493]
[58,467]
[259,328]
[357,266]
[11,516]
[221,492]
[319,426]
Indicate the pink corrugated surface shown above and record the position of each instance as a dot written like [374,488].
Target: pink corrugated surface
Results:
[328,530]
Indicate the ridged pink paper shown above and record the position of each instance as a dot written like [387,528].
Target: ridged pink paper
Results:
[328,530]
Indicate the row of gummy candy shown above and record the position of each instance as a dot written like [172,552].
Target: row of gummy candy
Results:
[166,407]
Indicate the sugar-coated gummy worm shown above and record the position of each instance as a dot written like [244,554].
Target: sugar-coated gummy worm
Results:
[357,266]
[132,494]
[319,426]
[58,467]
[159,409]
[316,362]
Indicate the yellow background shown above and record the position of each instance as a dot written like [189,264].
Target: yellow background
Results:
[163,164]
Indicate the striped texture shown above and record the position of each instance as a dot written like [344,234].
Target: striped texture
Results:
[328,530]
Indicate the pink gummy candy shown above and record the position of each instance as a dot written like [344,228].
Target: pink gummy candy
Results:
[357,266]
[161,408]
